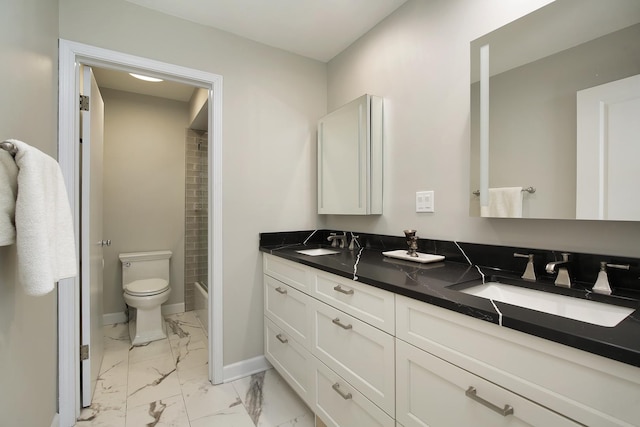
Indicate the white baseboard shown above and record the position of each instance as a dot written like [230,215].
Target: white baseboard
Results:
[55,422]
[121,317]
[245,368]
[113,318]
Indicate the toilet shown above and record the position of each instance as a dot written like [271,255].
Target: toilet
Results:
[145,282]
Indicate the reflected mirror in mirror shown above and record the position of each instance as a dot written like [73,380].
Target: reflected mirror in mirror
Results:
[545,113]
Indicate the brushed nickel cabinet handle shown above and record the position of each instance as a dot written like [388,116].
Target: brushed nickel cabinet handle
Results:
[344,291]
[473,394]
[281,290]
[345,396]
[282,339]
[342,325]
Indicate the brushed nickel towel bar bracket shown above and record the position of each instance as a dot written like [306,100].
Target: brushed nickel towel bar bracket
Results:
[529,190]
[8,146]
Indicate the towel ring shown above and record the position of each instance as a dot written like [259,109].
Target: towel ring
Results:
[529,190]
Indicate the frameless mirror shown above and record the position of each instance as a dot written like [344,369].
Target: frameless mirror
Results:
[545,113]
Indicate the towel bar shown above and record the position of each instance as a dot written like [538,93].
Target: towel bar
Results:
[528,190]
[8,146]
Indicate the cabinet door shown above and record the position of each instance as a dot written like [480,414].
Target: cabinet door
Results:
[290,309]
[339,404]
[292,361]
[350,159]
[360,353]
[432,392]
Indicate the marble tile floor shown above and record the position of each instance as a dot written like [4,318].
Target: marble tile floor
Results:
[165,383]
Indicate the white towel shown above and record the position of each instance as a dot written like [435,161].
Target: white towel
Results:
[8,190]
[44,227]
[505,202]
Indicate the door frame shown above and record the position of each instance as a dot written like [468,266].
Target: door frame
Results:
[70,55]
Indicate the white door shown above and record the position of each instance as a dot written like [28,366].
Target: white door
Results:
[608,149]
[92,261]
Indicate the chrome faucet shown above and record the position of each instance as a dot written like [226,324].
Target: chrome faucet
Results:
[562,278]
[335,237]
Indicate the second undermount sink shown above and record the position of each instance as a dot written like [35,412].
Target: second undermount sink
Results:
[594,312]
[317,252]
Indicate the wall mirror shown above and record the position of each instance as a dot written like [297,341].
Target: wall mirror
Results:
[350,159]
[555,102]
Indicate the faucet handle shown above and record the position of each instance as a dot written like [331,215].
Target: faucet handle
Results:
[354,242]
[618,266]
[529,272]
[602,282]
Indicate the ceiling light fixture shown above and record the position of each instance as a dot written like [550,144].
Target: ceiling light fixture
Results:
[145,78]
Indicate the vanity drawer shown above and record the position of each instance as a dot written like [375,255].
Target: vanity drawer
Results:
[367,303]
[360,353]
[289,272]
[290,309]
[339,404]
[590,389]
[290,359]
[432,392]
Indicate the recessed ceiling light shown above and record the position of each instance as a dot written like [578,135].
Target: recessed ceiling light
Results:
[145,78]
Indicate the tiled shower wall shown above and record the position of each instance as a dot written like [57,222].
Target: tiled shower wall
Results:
[196,213]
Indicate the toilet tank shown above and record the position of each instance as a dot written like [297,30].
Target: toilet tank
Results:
[145,265]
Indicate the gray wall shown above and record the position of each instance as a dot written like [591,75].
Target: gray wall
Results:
[271,102]
[28,111]
[143,185]
[418,60]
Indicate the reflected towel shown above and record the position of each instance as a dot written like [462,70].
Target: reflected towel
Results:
[8,191]
[505,202]
[44,226]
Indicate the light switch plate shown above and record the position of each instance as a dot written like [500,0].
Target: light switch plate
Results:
[424,201]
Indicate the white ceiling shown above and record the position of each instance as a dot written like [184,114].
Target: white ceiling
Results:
[318,29]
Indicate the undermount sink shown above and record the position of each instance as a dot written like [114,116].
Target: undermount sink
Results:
[594,312]
[317,252]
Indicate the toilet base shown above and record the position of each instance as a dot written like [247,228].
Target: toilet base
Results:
[146,326]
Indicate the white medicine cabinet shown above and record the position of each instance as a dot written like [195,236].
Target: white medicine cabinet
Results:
[350,159]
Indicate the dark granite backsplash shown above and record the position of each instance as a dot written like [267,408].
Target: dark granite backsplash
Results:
[492,259]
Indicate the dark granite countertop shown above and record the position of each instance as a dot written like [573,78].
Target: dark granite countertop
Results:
[438,284]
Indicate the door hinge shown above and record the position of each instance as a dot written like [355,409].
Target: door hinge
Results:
[84,103]
[84,352]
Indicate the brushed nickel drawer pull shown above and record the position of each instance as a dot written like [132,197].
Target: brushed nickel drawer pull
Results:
[344,291]
[345,396]
[281,290]
[342,325]
[473,394]
[282,339]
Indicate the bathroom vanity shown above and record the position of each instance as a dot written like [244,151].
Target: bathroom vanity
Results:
[369,340]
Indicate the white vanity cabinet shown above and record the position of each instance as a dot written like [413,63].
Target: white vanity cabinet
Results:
[540,379]
[332,340]
[361,356]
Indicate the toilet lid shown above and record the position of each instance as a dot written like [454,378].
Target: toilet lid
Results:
[146,286]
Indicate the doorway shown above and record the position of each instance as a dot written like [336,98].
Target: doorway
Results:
[71,55]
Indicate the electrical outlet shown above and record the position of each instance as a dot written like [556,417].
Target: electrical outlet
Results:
[424,201]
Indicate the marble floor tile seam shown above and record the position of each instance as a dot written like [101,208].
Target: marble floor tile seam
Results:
[185,397]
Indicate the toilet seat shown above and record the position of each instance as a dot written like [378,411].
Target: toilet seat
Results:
[146,287]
